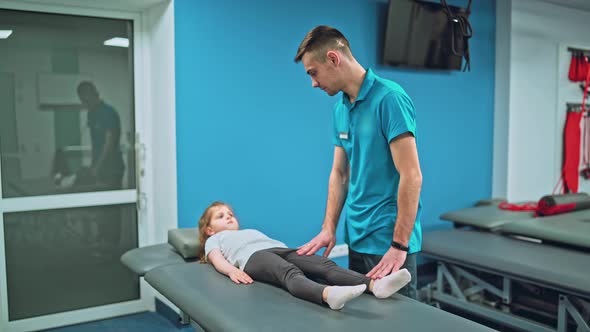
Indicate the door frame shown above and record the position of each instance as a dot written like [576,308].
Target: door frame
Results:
[153,56]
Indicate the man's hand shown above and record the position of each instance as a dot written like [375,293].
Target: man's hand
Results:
[391,262]
[324,239]
[240,277]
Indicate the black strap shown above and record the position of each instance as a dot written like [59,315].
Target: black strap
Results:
[399,246]
[465,30]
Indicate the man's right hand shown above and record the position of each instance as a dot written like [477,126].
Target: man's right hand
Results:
[324,239]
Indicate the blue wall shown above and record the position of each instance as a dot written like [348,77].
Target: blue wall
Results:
[251,131]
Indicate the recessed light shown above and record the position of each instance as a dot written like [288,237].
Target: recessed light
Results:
[117,41]
[5,34]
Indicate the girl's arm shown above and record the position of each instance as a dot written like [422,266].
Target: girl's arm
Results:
[223,266]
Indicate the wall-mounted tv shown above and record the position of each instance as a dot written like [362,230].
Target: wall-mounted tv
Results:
[422,34]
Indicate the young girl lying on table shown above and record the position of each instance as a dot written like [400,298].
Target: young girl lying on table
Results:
[247,255]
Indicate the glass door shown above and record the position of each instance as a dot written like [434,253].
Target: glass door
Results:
[68,187]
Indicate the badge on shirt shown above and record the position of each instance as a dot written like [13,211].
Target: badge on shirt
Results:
[342,123]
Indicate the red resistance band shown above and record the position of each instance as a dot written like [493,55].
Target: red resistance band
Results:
[541,208]
[571,152]
[530,206]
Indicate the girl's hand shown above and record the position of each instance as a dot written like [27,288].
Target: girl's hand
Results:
[240,277]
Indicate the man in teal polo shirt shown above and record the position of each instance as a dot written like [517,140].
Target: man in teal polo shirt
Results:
[105,133]
[376,172]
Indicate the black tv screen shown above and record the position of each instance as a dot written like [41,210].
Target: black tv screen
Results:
[419,34]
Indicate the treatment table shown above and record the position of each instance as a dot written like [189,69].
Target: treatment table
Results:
[536,281]
[567,229]
[488,217]
[214,303]
[570,229]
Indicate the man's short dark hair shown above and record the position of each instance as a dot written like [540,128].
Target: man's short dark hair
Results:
[87,87]
[321,39]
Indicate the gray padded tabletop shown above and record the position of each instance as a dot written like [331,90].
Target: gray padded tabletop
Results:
[217,304]
[569,228]
[144,259]
[556,267]
[486,217]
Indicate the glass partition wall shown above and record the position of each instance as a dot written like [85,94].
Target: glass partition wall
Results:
[67,164]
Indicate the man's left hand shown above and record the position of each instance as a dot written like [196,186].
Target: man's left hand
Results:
[392,261]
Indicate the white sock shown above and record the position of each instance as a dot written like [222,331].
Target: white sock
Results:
[387,286]
[339,295]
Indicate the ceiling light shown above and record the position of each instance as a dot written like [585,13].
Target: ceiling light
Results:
[117,41]
[5,34]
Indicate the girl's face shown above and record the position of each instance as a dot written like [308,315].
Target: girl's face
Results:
[222,219]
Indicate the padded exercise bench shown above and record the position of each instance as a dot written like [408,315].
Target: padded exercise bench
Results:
[488,217]
[569,229]
[214,303]
[522,284]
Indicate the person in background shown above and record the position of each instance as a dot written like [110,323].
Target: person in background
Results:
[105,133]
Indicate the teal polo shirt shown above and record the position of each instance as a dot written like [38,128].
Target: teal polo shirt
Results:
[105,118]
[381,112]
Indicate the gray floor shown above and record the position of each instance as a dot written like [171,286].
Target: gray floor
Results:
[144,322]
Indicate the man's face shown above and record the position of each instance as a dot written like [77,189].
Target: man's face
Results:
[89,99]
[323,74]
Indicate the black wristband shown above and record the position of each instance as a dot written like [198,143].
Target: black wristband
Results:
[399,246]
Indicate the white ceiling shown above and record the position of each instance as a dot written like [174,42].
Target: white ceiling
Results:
[33,30]
[39,30]
[575,4]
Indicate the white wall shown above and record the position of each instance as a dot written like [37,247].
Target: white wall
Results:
[157,189]
[501,98]
[539,30]
[33,126]
[161,154]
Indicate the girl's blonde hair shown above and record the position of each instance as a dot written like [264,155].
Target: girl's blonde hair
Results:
[204,221]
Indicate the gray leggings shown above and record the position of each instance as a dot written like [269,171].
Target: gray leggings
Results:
[283,267]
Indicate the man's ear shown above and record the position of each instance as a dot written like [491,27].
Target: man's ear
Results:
[333,57]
